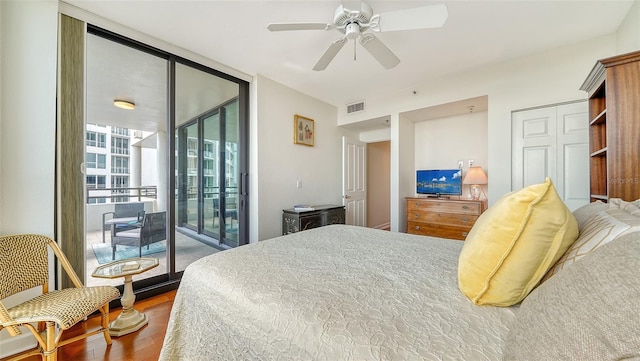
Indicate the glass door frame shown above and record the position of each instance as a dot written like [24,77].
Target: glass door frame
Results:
[149,287]
[222,187]
[243,142]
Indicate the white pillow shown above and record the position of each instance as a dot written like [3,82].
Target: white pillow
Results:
[630,207]
[582,214]
[603,227]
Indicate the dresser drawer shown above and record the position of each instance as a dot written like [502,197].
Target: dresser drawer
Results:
[445,206]
[454,219]
[445,218]
[438,230]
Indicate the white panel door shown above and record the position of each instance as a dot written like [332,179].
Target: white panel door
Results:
[553,142]
[534,147]
[354,181]
[573,156]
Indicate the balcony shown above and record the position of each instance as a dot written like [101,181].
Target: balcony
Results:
[189,246]
[188,250]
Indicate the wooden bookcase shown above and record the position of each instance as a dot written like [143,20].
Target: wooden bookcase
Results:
[613,87]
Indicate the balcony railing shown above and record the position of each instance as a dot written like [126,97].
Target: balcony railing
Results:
[151,192]
[135,192]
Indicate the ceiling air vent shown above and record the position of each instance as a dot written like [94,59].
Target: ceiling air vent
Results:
[355,107]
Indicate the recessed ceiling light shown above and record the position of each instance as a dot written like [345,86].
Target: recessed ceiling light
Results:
[124,104]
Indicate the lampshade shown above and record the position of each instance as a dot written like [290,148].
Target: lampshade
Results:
[124,104]
[475,175]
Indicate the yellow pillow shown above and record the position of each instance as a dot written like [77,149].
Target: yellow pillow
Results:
[513,244]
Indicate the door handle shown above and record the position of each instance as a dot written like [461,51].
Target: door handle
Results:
[347,196]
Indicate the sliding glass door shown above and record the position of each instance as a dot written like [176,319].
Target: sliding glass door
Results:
[180,150]
[124,147]
[208,171]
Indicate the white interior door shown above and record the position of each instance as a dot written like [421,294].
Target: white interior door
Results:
[534,147]
[573,154]
[354,181]
[553,142]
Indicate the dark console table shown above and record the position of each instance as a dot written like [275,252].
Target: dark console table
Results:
[296,221]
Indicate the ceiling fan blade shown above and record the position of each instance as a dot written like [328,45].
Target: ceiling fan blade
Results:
[379,51]
[328,55]
[425,17]
[298,26]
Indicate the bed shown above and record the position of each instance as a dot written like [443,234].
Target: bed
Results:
[350,293]
[332,293]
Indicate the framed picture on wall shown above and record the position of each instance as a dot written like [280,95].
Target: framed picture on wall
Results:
[303,130]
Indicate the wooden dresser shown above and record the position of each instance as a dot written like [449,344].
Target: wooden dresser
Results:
[445,218]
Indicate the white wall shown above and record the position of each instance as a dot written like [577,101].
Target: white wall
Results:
[544,78]
[27,125]
[2,32]
[378,135]
[441,143]
[402,168]
[281,163]
[28,116]
[628,36]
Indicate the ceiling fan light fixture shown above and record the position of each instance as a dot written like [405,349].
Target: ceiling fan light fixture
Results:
[352,31]
[355,24]
[124,104]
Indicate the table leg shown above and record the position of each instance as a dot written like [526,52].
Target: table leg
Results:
[129,320]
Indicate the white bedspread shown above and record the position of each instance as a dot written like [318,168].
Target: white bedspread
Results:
[332,293]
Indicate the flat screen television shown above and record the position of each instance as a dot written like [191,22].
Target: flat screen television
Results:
[439,182]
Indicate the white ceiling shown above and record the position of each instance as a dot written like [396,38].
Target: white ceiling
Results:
[115,71]
[477,33]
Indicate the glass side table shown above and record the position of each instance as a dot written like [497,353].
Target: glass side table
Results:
[129,320]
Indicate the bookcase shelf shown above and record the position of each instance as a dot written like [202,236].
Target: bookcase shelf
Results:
[600,118]
[614,129]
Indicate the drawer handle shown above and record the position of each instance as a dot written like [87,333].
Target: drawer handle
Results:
[416,215]
[465,207]
[465,220]
[464,234]
[417,228]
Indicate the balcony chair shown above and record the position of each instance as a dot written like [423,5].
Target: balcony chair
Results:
[24,264]
[228,213]
[124,212]
[153,228]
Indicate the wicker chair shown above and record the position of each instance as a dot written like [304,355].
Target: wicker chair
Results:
[24,265]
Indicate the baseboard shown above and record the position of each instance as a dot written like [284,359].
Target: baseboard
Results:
[384,226]
[16,344]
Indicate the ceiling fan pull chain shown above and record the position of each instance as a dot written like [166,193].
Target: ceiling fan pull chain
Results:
[354,50]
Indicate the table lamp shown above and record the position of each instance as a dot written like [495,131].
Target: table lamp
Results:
[475,177]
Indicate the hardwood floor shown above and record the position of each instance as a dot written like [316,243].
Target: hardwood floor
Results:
[143,345]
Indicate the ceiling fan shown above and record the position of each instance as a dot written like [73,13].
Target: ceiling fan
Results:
[355,24]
